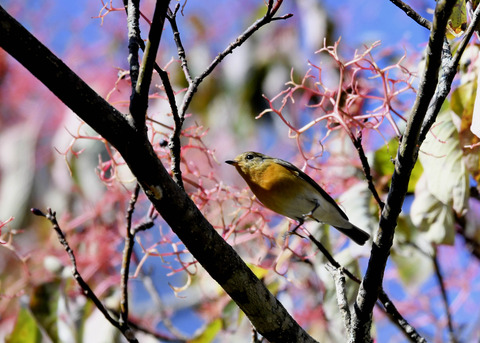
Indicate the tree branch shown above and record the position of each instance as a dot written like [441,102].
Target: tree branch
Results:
[87,291]
[172,19]
[139,98]
[133,15]
[357,142]
[406,158]
[218,258]
[174,139]
[339,279]
[127,255]
[439,276]
[267,18]
[409,331]
[193,84]
[412,14]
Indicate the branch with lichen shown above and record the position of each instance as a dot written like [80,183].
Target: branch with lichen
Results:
[338,272]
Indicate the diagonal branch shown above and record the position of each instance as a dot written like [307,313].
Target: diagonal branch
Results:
[357,142]
[272,9]
[412,14]
[406,159]
[219,259]
[127,256]
[443,291]
[449,70]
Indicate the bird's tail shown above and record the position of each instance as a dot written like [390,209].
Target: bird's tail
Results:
[356,234]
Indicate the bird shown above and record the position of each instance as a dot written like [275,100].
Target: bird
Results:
[285,189]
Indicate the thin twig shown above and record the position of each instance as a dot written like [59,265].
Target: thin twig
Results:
[159,336]
[159,307]
[408,330]
[441,283]
[391,310]
[172,18]
[138,327]
[357,142]
[193,84]
[174,139]
[127,255]
[412,14]
[87,291]
[267,18]
[147,281]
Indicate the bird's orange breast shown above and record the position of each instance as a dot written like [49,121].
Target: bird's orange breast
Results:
[276,186]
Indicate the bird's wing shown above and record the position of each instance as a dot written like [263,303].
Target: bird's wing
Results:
[315,185]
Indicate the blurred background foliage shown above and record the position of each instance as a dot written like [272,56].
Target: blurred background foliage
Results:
[49,159]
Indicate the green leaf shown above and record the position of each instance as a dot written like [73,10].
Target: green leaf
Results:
[25,330]
[258,271]
[466,105]
[432,216]
[414,268]
[384,164]
[384,158]
[444,169]
[44,304]
[210,332]
[457,22]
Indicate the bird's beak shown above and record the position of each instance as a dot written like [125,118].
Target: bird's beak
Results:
[233,163]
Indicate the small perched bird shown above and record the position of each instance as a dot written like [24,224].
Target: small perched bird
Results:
[285,189]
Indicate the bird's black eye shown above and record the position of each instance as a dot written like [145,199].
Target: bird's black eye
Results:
[249,157]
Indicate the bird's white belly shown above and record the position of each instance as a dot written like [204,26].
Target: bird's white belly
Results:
[325,212]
